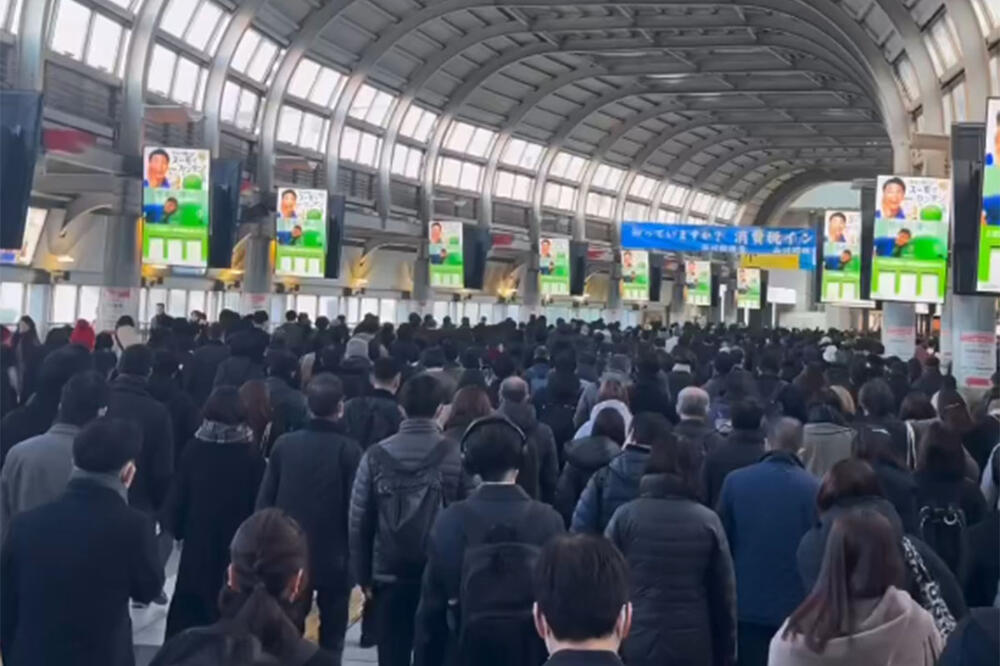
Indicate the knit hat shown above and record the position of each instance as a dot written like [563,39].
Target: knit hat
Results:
[356,347]
[83,335]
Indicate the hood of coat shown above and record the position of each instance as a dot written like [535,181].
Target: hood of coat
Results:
[591,453]
[521,413]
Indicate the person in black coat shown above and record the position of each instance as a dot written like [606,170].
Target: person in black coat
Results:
[213,492]
[683,587]
[200,370]
[493,450]
[310,475]
[37,415]
[743,446]
[68,569]
[373,417]
[585,456]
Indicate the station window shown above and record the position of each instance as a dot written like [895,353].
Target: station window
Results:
[406,161]
[469,139]
[240,105]
[198,23]
[255,56]
[417,123]
[600,205]
[84,35]
[314,82]
[608,177]
[459,174]
[514,185]
[359,147]
[568,166]
[521,153]
[11,302]
[371,105]
[559,196]
[642,187]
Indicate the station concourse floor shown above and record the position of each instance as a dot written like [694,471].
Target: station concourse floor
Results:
[148,625]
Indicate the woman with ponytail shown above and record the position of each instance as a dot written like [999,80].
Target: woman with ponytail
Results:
[258,626]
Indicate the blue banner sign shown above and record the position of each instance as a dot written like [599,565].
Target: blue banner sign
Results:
[708,238]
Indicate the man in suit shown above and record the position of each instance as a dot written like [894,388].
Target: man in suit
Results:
[68,569]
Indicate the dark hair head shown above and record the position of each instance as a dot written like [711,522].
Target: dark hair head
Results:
[941,454]
[876,398]
[267,552]
[324,394]
[106,444]
[421,396]
[225,405]
[609,423]
[83,396]
[850,477]
[136,360]
[746,414]
[862,560]
[581,585]
[493,448]
[385,369]
[916,406]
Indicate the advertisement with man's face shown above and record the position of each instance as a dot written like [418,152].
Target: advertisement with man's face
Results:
[841,257]
[698,283]
[300,229]
[748,288]
[989,227]
[910,254]
[553,266]
[635,275]
[445,251]
[175,210]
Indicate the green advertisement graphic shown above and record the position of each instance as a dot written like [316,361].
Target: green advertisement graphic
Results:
[175,207]
[748,288]
[445,251]
[698,283]
[553,266]
[635,275]
[910,257]
[841,257]
[300,231]
[988,278]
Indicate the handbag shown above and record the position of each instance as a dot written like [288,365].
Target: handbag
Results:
[930,592]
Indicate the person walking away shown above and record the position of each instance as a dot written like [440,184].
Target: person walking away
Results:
[373,417]
[857,613]
[582,609]
[618,482]
[38,469]
[744,445]
[213,492]
[68,569]
[258,605]
[401,485]
[587,455]
[765,508]
[476,594]
[199,371]
[682,586]
[539,470]
[309,476]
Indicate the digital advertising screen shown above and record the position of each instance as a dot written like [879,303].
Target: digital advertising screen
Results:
[445,252]
[698,282]
[988,276]
[910,254]
[748,288]
[553,266]
[175,206]
[300,233]
[841,256]
[635,275]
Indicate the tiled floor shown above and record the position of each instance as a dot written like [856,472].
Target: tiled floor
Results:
[148,625]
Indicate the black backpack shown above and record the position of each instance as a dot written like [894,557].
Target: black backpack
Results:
[495,625]
[408,499]
[942,527]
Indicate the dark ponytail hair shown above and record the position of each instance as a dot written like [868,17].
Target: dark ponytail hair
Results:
[267,552]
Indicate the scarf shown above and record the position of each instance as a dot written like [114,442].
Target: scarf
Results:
[222,433]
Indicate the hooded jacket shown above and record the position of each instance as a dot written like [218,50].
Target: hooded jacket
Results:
[583,457]
[540,470]
[609,488]
[891,631]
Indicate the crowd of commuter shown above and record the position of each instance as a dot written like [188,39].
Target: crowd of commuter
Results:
[519,494]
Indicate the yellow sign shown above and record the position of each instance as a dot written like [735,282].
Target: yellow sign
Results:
[788,262]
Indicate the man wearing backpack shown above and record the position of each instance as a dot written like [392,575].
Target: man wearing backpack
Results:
[401,485]
[476,597]
[376,416]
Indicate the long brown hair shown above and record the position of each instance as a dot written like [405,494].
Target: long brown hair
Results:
[862,560]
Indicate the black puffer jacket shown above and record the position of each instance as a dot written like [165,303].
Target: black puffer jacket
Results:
[683,589]
[540,470]
[584,456]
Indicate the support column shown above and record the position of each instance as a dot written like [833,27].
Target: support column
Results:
[122,273]
[257,272]
[898,329]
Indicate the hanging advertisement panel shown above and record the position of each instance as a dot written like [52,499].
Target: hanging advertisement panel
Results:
[635,275]
[175,207]
[698,283]
[553,267]
[910,254]
[445,251]
[300,230]
[841,257]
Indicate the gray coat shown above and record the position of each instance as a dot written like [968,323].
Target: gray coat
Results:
[36,471]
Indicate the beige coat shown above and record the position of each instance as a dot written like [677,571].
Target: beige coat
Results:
[895,631]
